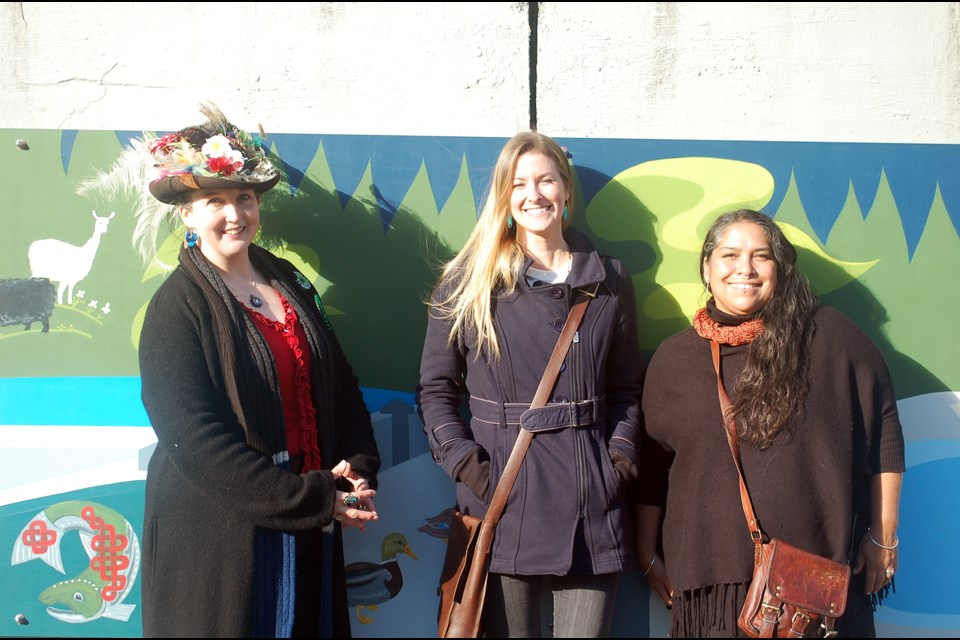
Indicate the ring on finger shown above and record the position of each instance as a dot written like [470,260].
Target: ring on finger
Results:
[889,572]
[350,500]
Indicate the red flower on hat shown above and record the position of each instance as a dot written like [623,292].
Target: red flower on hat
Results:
[165,143]
[223,165]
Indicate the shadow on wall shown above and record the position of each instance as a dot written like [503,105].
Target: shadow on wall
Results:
[373,283]
[860,305]
[639,254]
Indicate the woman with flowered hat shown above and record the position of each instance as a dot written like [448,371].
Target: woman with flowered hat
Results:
[265,447]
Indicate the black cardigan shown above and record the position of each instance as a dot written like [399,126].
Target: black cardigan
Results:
[217,476]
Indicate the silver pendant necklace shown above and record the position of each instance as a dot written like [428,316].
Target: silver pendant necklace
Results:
[255,301]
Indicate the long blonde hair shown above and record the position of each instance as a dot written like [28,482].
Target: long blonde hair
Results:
[489,262]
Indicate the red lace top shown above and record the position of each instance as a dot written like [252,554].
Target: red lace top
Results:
[288,343]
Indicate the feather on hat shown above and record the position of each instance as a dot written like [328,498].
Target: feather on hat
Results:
[161,169]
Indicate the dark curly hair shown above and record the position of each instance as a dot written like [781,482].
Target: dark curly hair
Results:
[770,391]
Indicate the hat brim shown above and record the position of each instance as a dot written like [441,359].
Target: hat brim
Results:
[169,189]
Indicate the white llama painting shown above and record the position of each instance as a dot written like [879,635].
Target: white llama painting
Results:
[65,263]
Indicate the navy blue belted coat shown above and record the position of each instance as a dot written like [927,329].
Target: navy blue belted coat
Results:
[567,512]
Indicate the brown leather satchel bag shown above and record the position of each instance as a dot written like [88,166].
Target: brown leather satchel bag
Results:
[794,593]
[463,580]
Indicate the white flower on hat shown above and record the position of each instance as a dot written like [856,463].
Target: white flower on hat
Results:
[218,146]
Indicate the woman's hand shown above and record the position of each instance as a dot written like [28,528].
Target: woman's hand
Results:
[659,581]
[878,547]
[647,518]
[880,562]
[354,508]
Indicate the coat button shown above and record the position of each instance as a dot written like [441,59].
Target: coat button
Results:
[556,293]
[558,325]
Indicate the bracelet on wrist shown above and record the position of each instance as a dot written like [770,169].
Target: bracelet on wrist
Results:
[896,541]
[652,562]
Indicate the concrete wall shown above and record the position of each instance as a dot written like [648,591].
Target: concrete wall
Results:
[825,71]
[877,72]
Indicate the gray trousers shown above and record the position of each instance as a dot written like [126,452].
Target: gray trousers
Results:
[582,606]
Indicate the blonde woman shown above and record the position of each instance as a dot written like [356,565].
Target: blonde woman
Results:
[494,319]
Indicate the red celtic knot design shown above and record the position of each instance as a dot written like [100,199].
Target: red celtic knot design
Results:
[109,560]
[38,537]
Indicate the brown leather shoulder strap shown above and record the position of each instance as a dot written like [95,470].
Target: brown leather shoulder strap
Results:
[733,441]
[512,469]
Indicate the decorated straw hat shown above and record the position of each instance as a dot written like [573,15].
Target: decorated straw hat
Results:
[212,155]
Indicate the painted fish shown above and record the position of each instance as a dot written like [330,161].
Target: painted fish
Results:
[111,545]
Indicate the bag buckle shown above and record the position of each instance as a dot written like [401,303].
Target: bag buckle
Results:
[757,538]
[774,610]
[804,618]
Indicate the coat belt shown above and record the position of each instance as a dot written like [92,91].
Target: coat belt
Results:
[556,415]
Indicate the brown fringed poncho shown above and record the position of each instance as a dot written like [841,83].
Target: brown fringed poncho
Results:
[811,487]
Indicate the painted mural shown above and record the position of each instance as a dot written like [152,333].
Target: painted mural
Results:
[369,219]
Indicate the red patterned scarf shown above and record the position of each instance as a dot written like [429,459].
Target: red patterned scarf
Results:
[733,335]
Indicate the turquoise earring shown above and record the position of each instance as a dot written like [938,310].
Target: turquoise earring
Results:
[509,221]
[565,214]
[191,237]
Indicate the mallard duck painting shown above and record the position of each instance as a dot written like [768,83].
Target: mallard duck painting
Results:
[370,584]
